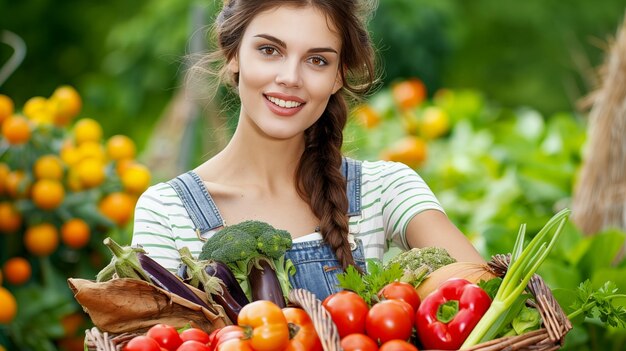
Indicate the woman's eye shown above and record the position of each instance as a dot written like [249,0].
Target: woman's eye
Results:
[268,50]
[318,61]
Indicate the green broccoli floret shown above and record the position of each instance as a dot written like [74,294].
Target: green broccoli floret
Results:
[274,244]
[229,245]
[417,263]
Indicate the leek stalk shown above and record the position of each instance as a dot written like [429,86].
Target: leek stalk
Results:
[524,263]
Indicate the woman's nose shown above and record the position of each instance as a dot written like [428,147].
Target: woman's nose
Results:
[289,74]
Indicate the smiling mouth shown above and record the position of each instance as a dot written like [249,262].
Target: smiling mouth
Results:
[283,103]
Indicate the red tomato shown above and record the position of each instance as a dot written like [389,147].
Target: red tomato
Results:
[142,343]
[193,345]
[166,335]
[358,342]
[407,308]
[348,310]
[401,291]
[397,345]
[195,334]
[235,345]
[388,320]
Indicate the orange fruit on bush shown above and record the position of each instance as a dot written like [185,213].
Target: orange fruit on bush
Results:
[91,149]
[75,233]
[434,122]
[17,270]
[67,103]
[366,116]
[17,185]
[410,150]
[8,306]
[91,172]
[120,147]
[41,239]
[4,173]
[7,108]
[10,218]
[35,105]
[87,129]
[136,178]
[47,194]
[69,153]
[39,110]
[118,207]
[409,93]
[16,130]
[48,167]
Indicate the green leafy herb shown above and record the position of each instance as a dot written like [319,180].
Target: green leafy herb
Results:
[599,304]
[368,285]
[490,286]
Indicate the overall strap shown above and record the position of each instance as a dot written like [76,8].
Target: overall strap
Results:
[197,201]
[351,170]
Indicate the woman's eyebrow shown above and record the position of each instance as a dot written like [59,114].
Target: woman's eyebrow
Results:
[284,45]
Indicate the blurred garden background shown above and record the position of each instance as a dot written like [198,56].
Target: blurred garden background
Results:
[492,102]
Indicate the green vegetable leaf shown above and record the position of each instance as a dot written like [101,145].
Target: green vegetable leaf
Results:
[526,320]
[598,303]
[368,285]
[490,286]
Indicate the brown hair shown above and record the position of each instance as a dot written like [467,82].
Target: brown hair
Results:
[319,178]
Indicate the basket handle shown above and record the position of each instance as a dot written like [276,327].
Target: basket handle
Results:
[326,329]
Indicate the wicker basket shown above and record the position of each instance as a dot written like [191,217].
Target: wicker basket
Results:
[549,337]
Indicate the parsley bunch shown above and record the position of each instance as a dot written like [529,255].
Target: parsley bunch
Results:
[368,285]
[598,304]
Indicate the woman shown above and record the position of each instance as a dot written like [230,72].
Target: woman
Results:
[291,64]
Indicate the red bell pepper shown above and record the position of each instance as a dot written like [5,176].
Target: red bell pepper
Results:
[447,315]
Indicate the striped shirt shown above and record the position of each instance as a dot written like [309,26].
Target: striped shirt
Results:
[391,195]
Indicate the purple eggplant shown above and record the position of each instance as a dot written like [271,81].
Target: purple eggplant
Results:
[168,281]
[264,283]
[221,270]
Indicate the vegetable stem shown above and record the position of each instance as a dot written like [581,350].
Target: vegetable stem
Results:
[524,263]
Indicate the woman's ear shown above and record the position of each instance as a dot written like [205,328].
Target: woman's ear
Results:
[233,65]
[338,82]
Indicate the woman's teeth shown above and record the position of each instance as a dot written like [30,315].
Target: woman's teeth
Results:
[283,103]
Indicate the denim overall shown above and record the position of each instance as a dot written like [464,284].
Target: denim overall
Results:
[316,265]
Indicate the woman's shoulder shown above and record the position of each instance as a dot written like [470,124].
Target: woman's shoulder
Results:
[382,169]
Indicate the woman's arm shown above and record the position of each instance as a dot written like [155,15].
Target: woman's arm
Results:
[433,228]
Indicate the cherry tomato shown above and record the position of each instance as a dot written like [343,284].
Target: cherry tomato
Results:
[227,333]
[235,345]
[194,334]
[348,310]
[401,291]
[358,342]
[193,345]
[166,335]
[142,343]
[397,345]
[388,320]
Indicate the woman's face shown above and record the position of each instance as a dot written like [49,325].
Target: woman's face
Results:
[288,67]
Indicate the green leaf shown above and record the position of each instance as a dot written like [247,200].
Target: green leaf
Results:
[602,251]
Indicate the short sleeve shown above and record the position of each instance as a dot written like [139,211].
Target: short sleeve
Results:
[152,229]
[404,195]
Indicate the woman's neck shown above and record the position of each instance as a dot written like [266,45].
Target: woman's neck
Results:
[255,159]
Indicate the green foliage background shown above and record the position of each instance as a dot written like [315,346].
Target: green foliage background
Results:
[125,57]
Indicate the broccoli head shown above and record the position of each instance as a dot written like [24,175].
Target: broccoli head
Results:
[228,246]
[419,262]
[273,244]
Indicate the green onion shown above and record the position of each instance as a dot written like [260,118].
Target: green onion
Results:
[524,263]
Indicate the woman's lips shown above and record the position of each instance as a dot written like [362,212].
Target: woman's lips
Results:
[283,105]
